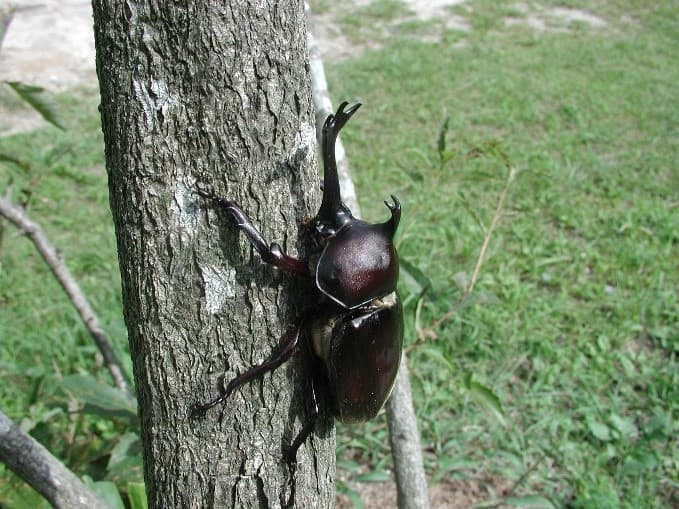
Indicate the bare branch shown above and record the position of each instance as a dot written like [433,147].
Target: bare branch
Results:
[405,438]
[33,231]
[38,467]
[406,449]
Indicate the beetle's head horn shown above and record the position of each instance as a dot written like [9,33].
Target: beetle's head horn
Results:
[332,205]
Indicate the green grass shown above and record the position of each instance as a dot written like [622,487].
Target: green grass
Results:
[42,336]
[574,324]
[580,337]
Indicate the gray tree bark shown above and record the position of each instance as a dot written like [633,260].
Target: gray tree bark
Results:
[213,92]
[46,474]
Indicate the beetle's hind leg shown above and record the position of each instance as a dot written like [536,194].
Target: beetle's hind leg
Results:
[313,410]
[285,349]
[270,253]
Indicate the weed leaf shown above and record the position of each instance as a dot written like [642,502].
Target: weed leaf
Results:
[136,493]
[6,158]
[106,491]
[38,100]
[100,398]
[374,476]
[415,280]
[599,430]
[436,354]
[529,502]
[484,396]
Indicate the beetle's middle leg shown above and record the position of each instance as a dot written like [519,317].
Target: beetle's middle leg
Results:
[285,349]
[270,253]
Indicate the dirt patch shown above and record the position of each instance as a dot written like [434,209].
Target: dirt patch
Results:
[448,494]
[49,43]
[555,19]
[334,44]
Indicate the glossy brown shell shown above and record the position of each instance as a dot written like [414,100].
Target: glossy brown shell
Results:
[363,359]
[358,264]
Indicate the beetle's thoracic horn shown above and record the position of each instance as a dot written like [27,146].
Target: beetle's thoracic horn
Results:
[331,190]
[392,223]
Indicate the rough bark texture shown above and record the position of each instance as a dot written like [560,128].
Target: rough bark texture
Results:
[45,473]
[213,92]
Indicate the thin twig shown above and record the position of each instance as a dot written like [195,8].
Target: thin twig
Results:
[489,233]
[429,332]
[33,231]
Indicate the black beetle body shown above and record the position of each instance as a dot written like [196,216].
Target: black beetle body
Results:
[361,350]
[356,328]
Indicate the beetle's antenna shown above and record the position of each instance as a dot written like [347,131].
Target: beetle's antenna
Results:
[332,199]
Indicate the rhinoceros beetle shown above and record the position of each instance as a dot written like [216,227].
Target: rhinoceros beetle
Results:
[355,326]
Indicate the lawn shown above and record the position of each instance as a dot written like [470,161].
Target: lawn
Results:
[573,324]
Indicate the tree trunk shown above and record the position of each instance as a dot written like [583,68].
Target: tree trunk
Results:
[218,93]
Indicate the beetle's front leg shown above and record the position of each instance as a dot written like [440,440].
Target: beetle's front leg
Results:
[284,351]
[270,253]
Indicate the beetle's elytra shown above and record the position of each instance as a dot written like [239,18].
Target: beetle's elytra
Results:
[356,327]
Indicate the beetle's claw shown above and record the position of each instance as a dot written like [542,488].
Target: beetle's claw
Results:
[204,191]
[197,412]
[290,457]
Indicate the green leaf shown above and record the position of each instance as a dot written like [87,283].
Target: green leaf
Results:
[599,430]
[130,469]
[414,279]
[529,501]
[136,493]
[484,396]
[374,476]
[461,280]
[624,426]
[470,209]
[125,465]
[38,100]
[106,491]
[128,446]
[348,465]
[352,495]
[641,463]
[441,146]
[125,470]
[447,464]
[5,158]
[436,354]
[100,398]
